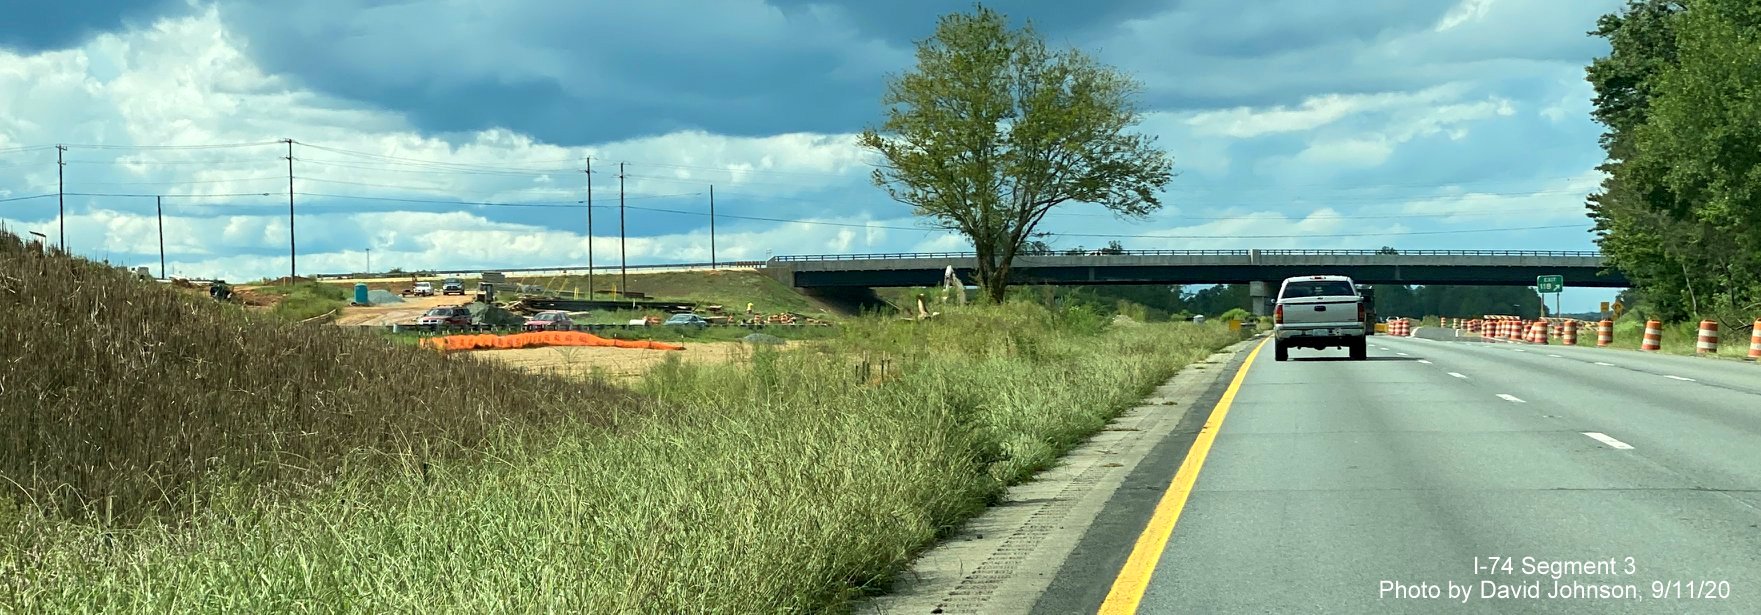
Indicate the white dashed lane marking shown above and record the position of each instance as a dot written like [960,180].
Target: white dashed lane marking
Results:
[1458,375]
[1511,398]
[1611,442]
[1681,378]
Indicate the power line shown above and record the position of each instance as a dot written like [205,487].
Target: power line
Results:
[184,182]
[176,196]
[25,148]
[173,147]
[572,205]
[433,163]
[121,161]
[26,198]
[364,166]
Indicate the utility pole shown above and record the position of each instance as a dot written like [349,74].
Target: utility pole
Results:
[293,269]
[61,193]
[712,226]
[369,261]
[623,263]
[159,206]
[589,228]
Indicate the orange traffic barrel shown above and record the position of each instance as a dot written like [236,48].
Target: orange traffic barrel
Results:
[1604,333]
[1653,336]
[1708,342]
[1755,341]
[1570,335]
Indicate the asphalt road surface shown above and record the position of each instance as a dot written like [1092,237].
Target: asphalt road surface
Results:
[1632,481]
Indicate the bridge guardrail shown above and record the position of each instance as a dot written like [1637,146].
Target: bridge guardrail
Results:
[1298,252]
[1272,252]
[597,269]
[911,255]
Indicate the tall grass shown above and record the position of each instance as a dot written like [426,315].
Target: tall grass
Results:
[791,485]
[119,396]
[307,299]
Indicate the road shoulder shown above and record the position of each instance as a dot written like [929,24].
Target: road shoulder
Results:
[1070,528]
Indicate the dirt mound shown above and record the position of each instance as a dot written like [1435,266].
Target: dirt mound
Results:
[380,297]
[486,314]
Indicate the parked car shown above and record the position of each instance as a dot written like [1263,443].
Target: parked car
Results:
[550,320]
[1317,312]
[452,286]
[686,320]
[423,289]
[446,317]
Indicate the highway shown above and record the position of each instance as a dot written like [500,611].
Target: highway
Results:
[1335,486]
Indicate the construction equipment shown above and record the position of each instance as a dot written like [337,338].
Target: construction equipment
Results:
[220,291]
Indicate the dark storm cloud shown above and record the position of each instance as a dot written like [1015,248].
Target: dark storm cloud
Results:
[39,25]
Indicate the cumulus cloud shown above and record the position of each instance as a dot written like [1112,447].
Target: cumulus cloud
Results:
[1296,124]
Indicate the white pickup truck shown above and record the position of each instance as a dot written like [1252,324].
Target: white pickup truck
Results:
[1320,311]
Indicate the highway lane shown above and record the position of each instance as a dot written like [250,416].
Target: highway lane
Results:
[1329,479]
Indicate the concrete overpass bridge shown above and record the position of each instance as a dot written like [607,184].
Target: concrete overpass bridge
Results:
[1262,270]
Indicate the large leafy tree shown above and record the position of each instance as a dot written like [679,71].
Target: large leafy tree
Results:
[993,130]
[1642,45]
[1677,93]
[1699,148]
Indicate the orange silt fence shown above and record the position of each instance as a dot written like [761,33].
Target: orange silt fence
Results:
[1708,342]
[1653,336]
[455,343]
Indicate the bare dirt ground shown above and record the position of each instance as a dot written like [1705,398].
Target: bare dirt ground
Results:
[395,313]
[614,363]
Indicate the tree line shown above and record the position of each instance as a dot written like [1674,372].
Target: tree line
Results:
[1680,209]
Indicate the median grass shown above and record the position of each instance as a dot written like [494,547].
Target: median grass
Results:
[794,484]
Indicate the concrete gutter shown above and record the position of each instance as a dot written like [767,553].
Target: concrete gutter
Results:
[1005,559]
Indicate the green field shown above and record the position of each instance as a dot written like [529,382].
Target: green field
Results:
[224,461]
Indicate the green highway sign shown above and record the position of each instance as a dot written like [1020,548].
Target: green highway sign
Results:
[1549,283]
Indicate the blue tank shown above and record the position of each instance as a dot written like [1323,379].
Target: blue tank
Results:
[360,293]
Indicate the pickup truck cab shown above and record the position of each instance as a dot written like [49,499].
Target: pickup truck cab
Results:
[1319,312]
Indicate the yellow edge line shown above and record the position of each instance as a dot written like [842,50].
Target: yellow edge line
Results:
[1134,578]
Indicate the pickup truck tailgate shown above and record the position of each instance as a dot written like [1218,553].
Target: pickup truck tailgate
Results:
[1321,311]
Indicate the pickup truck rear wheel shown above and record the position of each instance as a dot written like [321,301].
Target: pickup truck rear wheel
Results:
[1280,352]
[1360,348]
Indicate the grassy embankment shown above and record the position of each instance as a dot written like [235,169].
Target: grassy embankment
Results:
[355,475]
[306,299]
[1678,338]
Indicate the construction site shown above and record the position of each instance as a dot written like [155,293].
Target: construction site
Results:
[702,316]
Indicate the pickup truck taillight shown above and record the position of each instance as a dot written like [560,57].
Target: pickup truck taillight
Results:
[1360,311]
[1278,315]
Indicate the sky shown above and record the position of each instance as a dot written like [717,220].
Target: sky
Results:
[455,134]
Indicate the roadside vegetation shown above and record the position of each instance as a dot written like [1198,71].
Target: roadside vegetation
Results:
[305,300]
[207,458]
[1677,210]
[1678,338]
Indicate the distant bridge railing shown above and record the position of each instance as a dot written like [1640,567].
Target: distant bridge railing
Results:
[1281,252]
[580,268]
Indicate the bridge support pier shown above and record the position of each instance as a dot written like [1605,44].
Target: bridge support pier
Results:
[1259,295]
